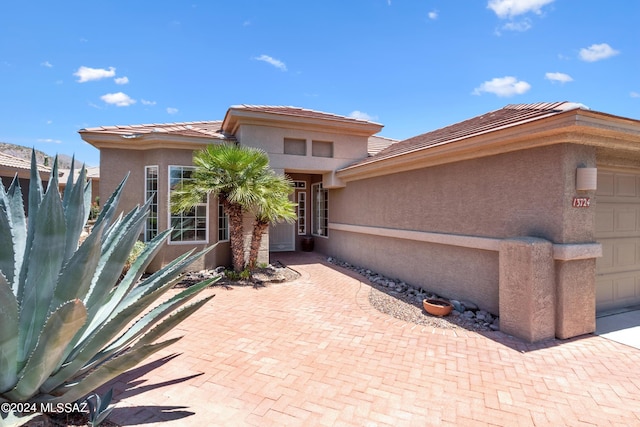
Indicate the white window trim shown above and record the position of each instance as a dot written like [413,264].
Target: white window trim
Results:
[189,242]
[218,218]
[302,212]
[313,211]
[144,197]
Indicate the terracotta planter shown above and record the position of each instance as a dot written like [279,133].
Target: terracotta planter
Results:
[307,244]
[437,307]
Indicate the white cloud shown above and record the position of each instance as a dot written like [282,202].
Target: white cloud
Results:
[511,8]
[558,77]
[121,80]
[47,64]
[634,95]
[86,74]
[49,122]
[118,99]
[433,14]
[596,52]
[50,141]
[520,26]
[361,116]
[171,110]
[145,102]
[503,87]
[275,62]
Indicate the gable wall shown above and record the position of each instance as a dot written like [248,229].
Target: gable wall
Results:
[346,148]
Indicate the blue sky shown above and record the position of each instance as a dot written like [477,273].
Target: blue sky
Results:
[413,66]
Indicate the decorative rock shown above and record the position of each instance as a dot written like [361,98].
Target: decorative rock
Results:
[472,315]
[457,306]
[469,305]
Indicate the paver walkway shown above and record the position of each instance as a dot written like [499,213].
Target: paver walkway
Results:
[314,353]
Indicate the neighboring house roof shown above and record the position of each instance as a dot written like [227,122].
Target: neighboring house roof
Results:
[93,172]
[296,116]
[9,162]
[378,143]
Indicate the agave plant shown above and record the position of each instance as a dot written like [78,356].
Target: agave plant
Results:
[68,324]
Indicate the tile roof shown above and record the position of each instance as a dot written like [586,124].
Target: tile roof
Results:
[9,161]
[377,143]
[296,112]
[508,116]
[93,172]
[211,129]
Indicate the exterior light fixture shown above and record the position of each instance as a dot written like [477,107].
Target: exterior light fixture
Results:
[586,179]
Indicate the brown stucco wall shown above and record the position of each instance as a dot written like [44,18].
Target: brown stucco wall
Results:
[115,164]
[524,193]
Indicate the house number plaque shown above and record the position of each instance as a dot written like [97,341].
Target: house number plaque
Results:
[581,202]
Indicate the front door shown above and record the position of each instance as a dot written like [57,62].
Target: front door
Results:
[282,237]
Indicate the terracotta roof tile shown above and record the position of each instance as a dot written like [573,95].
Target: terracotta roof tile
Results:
[508,116]
[210,129]
[13,162]
[377,143]
[296,112]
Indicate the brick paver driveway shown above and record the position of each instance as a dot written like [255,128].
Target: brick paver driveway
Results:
[313,352]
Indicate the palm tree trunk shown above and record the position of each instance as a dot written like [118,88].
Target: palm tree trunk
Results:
[234,210]
[259,227]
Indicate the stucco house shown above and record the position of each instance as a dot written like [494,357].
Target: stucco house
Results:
[531,211]
[12,167]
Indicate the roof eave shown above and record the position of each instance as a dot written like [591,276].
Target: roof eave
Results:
[147,141]
[573,127]
[237,116]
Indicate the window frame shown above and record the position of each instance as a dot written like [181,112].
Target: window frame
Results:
[302,212]
[170,216]
[319,214]
[147,194]
[223,216]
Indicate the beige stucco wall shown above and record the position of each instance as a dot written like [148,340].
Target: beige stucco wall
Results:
[525,193]
[346,148]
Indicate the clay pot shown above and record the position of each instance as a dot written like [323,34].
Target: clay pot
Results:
[437,307]
[307,244]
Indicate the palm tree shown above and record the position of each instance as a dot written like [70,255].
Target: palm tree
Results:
[240,177]
[273,205]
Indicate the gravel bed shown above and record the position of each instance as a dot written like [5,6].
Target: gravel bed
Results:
[402,308]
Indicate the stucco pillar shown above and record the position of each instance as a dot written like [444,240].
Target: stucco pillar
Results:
[527,288]
[576,297]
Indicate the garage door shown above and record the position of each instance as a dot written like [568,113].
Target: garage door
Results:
[618,230]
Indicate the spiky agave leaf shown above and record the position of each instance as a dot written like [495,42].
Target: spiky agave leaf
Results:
[99,334]
[142,345]
[8,336]
[105,373]
[59,329]
[75,214]
[14,209]
[154,316]
[43,266]
[49,340]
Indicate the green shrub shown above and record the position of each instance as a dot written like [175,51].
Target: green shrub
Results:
[65,328]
